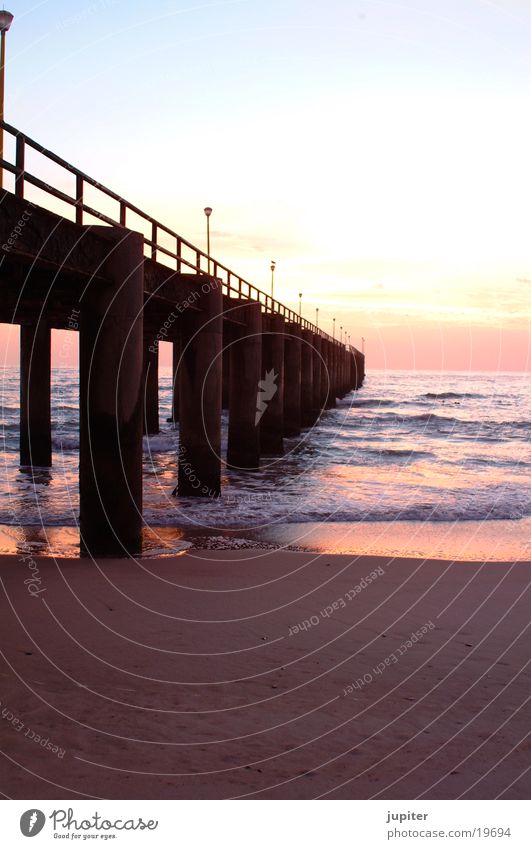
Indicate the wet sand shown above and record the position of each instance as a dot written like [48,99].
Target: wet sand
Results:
[223,674]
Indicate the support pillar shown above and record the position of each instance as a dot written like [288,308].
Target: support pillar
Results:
[151,385]
[331,397]
[360,368]
[352,372]
[200,395]
[343,382]
[325,375]
[272,418]
[307,352]
[335,372]
[228,335]
[35,412]
[176,355]
[243,447]
[316,382]
[292,380]
[348,360]
[110,379]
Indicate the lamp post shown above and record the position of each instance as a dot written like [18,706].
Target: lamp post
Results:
[300,304]
[273,266]
[341,335]
[317,317]
[208,213]
[6,19]
[362,345]
[333,328]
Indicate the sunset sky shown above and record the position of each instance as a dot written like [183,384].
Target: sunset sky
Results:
[378,151]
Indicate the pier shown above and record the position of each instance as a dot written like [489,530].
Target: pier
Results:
[125,282]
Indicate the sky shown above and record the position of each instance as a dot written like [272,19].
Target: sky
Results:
[377,151]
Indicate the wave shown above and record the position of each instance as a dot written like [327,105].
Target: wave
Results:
[386,418]
[160,442]
[411,453]
[62,442]
[192,515]
[444,395]
[377,402]
[435,418]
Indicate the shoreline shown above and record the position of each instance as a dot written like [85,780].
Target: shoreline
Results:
[472,540]
[251,674]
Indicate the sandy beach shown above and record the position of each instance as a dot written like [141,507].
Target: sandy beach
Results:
[230,674]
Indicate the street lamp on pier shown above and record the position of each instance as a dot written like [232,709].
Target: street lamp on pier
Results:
[334,329]
[317,317]
[6,19]
[208,213]
[273,265]
[300,304]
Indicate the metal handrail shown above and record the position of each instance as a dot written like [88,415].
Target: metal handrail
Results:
[233,282]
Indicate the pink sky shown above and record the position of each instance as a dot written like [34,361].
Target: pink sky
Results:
[381,159]
[443,347]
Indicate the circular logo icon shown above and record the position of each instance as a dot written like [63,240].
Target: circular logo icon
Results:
[31,822]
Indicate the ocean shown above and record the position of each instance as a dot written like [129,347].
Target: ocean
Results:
[420,463]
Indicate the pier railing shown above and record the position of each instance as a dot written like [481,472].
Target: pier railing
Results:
[183,256]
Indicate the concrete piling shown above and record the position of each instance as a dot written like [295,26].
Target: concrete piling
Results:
[330,379]
[359,369]
[176,355]
[272,412]
[325,379]
[307,352]
[292,379]
[316,381]
[111,376]
[200,394]
[35,381]
[335,371]
[151,386]
[243,447]
[228,336]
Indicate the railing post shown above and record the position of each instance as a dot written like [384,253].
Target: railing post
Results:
[79,199]
[154,241]
[19,176]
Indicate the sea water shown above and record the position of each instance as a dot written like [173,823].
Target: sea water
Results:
[412,455]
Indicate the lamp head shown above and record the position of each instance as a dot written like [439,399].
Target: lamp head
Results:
[273,265]
[208,211]
[6,19]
